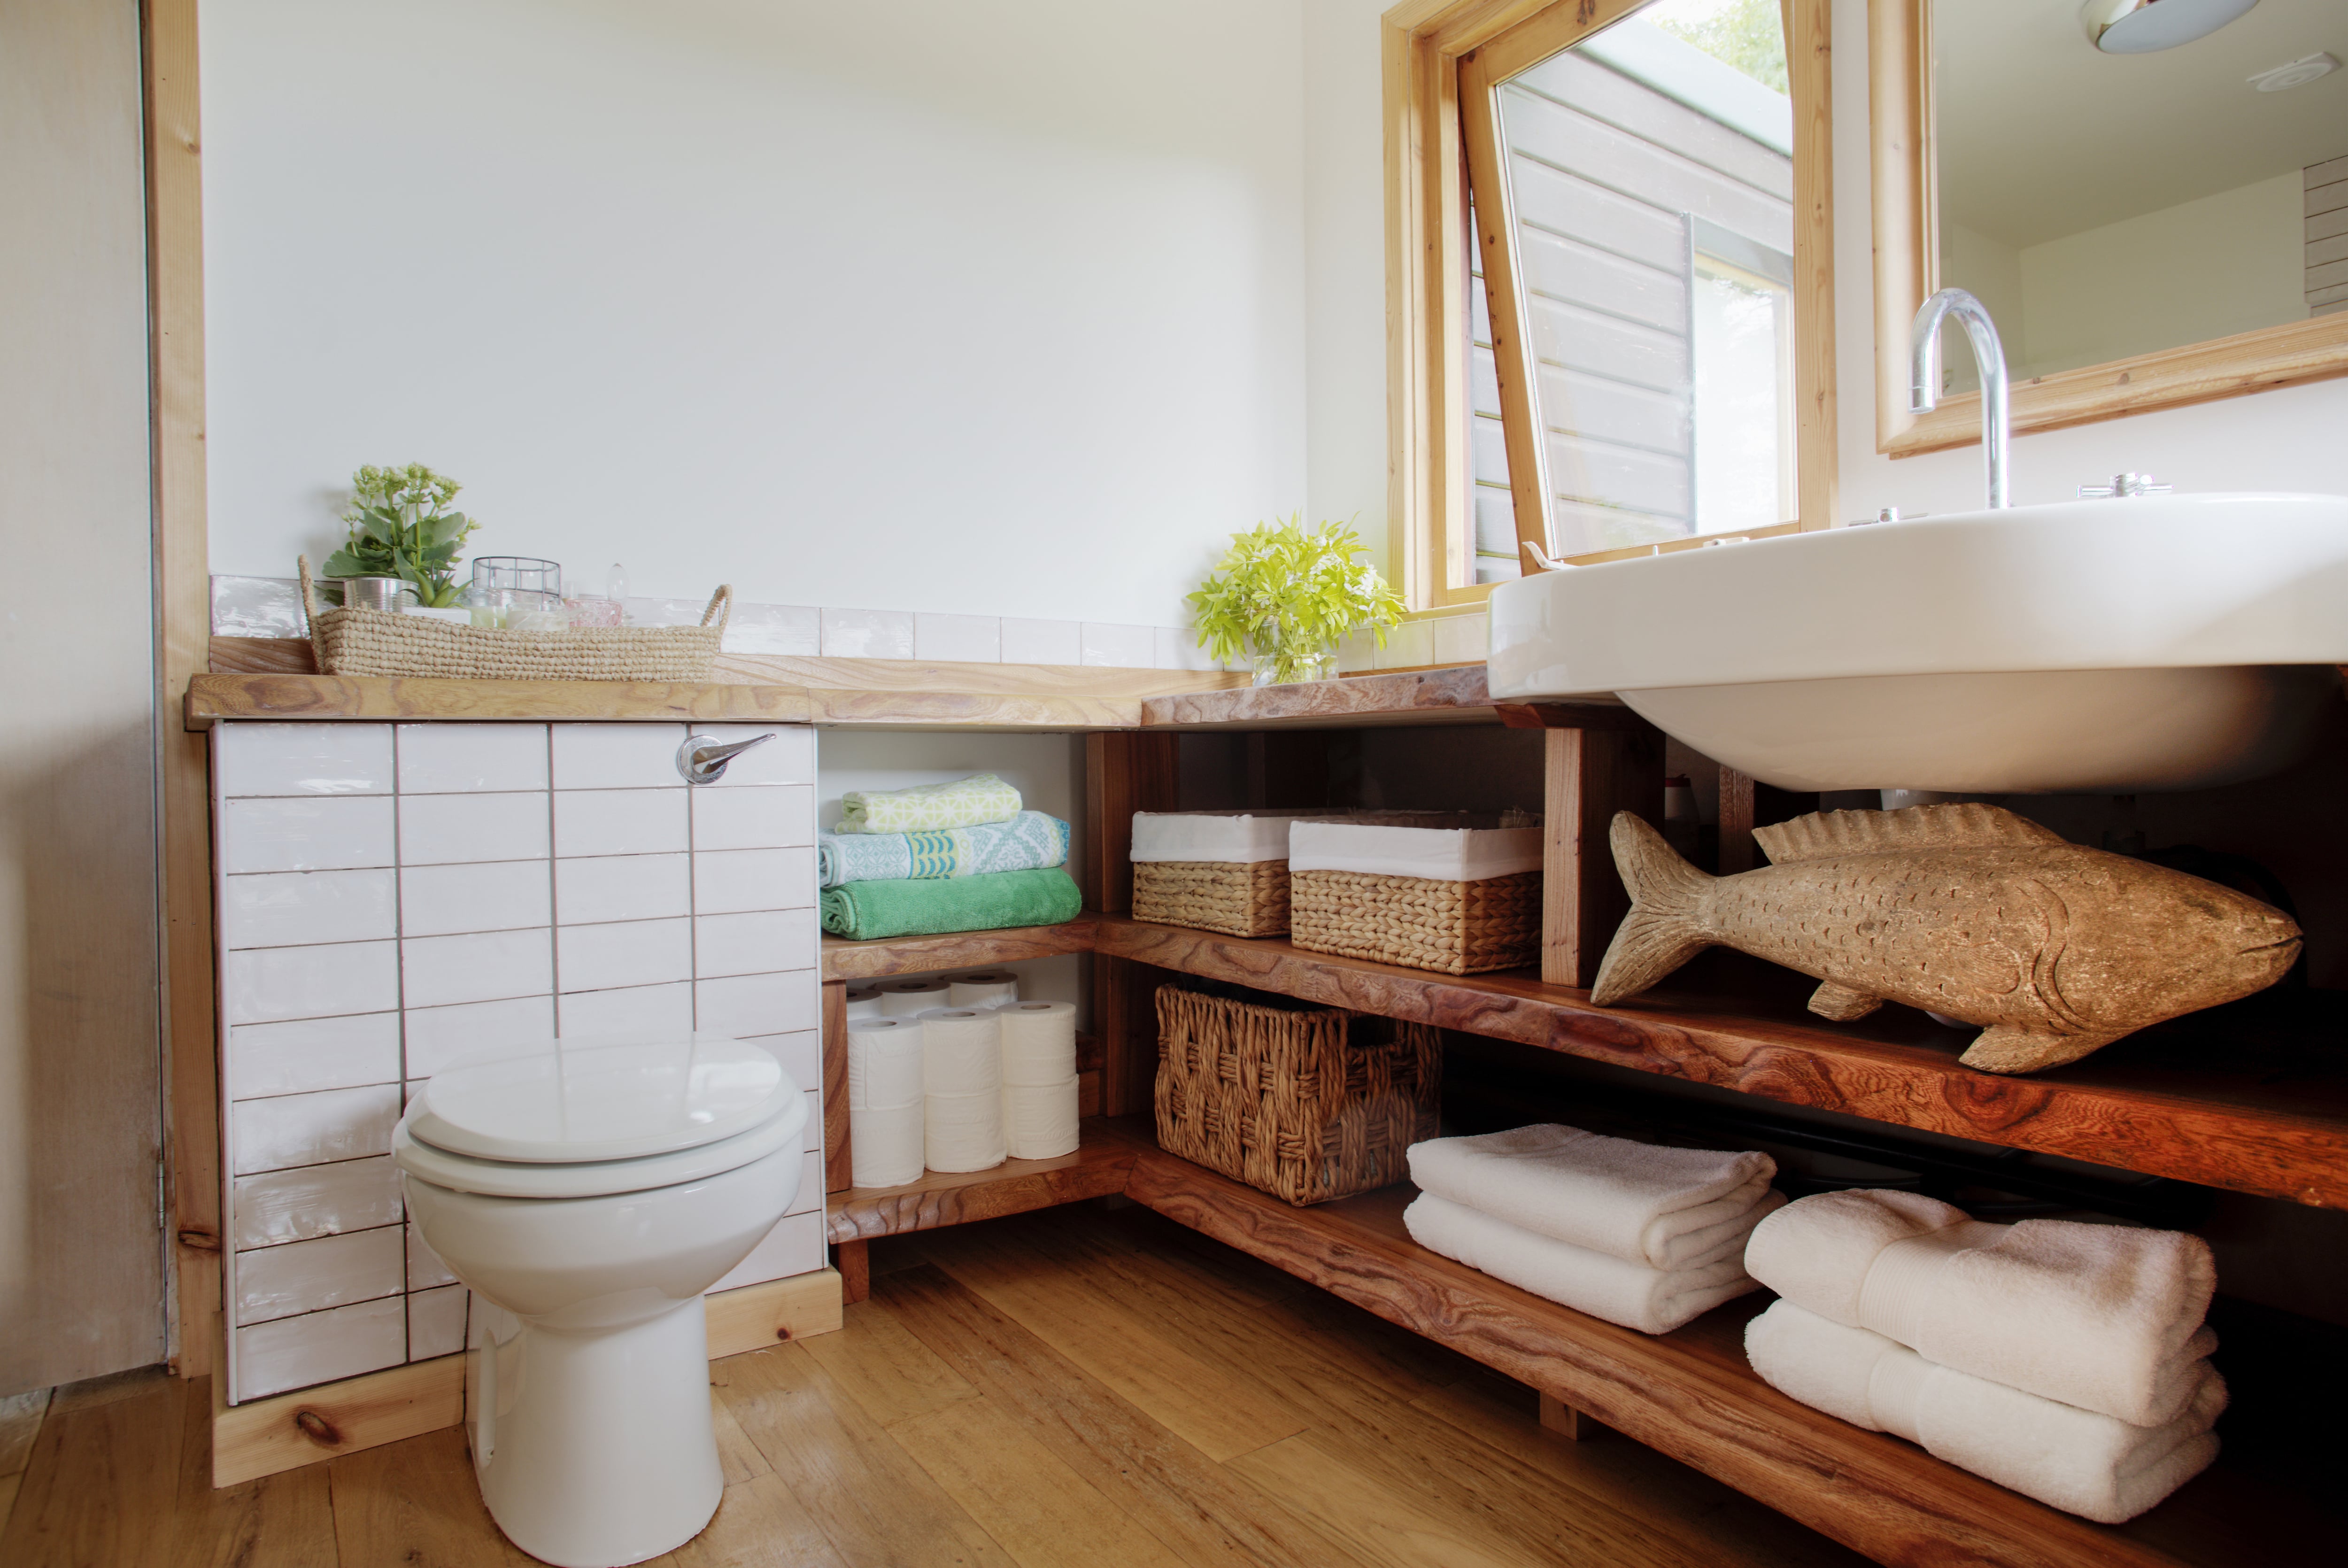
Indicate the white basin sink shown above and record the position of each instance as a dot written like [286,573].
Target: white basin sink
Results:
[2152,643]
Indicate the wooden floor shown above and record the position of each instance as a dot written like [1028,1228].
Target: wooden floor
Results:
[1062,1389]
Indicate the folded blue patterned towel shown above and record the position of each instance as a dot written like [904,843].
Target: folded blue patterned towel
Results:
[1029,842]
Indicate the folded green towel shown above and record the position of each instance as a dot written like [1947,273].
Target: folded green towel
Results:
[964,803]
[934,905]
[1028,841]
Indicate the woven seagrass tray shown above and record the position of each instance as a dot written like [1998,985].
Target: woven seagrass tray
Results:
[1453,927]
[1236,898]
[386,643]
[1307,1105]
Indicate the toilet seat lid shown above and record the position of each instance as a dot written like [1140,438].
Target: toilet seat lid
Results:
[585,1099]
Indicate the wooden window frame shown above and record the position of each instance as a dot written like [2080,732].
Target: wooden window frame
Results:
[1439,55]
[1907,271]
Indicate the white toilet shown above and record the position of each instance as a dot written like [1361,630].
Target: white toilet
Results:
[589,1192]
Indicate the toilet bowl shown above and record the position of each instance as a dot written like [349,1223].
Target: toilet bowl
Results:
[587,1192]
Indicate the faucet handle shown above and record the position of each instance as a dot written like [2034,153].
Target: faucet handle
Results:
[701,758]
[1541,561]
[2124,485]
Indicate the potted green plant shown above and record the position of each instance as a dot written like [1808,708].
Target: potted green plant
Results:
[402,532]
[1285,596]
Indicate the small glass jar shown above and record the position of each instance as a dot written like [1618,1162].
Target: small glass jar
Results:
[520,574]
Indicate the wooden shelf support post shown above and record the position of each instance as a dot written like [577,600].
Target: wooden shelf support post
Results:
[838,1163]
[1591,774]
[1737,850]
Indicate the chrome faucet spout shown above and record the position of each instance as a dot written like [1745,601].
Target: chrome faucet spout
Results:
[1925,376]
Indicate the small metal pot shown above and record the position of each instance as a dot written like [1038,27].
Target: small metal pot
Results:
[392,593]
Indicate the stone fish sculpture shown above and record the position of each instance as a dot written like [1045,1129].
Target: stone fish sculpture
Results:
[2055,950]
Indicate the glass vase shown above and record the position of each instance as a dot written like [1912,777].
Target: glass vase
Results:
[1271,661]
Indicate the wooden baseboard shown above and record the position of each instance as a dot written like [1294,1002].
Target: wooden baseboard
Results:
[263,1437]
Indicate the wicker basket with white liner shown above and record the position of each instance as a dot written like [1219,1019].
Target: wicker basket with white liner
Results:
[1216,871]
[1458,892]
[360,642]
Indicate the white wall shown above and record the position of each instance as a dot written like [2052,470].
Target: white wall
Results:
[932,305]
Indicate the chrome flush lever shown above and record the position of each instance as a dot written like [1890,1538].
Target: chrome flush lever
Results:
[2124,485]
[701,758]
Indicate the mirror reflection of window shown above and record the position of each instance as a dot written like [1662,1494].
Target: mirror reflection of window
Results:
[2105,205]
[1651,177]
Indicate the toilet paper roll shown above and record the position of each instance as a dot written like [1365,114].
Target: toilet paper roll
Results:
[902,998]
[864,1002]
[988,988]
[886,1146]
[963,1131]
[1039,1121]
[884,1064]
[959,1051]
[1039,1041]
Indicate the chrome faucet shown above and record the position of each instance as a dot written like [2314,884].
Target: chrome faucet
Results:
[701,758]
[1925,376]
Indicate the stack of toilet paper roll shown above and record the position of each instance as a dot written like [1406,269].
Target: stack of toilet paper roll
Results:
[910,999]
[1039,1078]
[887,1103]
[988,988]
[961,1081]
[864,1002]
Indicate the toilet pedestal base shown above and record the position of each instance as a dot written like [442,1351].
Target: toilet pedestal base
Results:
[594,1448]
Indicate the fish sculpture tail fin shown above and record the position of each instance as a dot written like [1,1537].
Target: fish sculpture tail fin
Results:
[1663,930]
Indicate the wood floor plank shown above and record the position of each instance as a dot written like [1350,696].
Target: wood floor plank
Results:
[1041,1510]
[1183,1499]
[894,1376]
[92,1392]
[1215,1410]
[20,1423]
[1378,1525]
[281,1521]
[737,1456]
[761,1524]
[416,1505]
[100,1489]
[870,1500]
[8,1487]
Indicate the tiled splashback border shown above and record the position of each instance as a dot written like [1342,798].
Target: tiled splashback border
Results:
[270,607]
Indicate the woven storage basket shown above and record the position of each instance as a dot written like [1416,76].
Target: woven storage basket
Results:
[1305,1105]
[383,643]
[1454,927]
[1236,898]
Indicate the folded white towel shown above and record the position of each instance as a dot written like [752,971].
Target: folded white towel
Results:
[2077,1461]
[2104,1317]
[1665,1208]
[1652,1301]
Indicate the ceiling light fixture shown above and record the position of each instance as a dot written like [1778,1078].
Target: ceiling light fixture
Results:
[2146,26]
[2297,74]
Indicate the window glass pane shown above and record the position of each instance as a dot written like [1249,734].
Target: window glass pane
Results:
[1649,172]
[1495,556]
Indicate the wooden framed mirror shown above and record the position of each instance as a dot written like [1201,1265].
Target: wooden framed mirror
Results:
[2141,206]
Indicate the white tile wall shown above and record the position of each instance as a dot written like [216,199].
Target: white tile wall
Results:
[1460,639]
[1042,642]
[867,634]
[1118,647]
[973,638]
[392,900]
[1408,647]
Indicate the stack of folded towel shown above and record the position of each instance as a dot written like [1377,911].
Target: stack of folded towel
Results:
[1640,1236]
[941,858]
[2066,1361]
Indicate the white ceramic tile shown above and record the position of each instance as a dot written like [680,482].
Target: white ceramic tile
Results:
[313,1129]
[451,829]
[617,756]
[1460,639]
[620,821]
[627,952]
[795,1246]
[752,944]
[320,1348]
[787,759]
[867,634]
[969,639]
[449,758]
[630,1010]
[732,881]
[311,1054]
[622,887]
[307,1201]
[801,1054]
[266,985]
[769,819]
[1357,653]
[310,1276]
[436,1323]
[1177,648]
[282,909]
[1042,642]
[811,1193]
[811,1136]
[296,835]
[1408,647]
[1118,647]
[302,759]
[425,1269]
[751,1004]
[792,629]
[439,1035]
[481,967]
[490,895]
